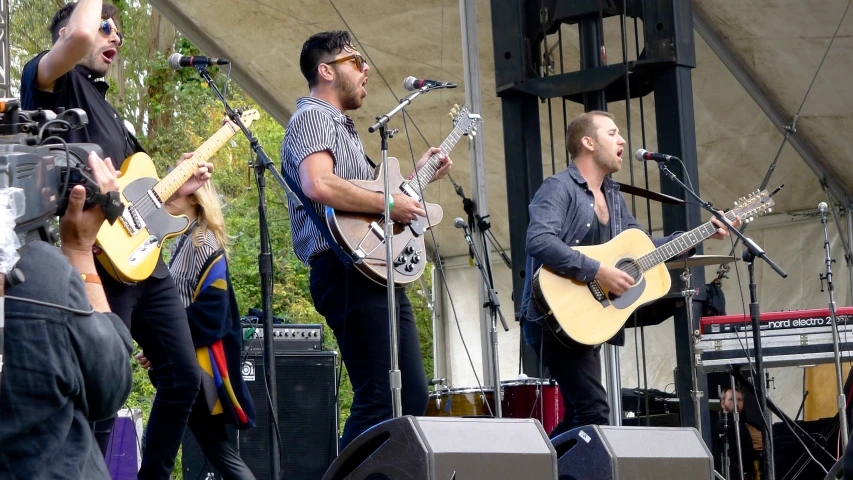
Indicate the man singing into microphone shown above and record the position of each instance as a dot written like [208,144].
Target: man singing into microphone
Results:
[321,151]
[85,43]
[579,206]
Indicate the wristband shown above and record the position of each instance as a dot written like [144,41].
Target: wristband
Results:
[390,204]
[91,278]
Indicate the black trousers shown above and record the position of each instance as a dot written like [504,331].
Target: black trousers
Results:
[157,320]
[218,449]
[578,374]
[356,309]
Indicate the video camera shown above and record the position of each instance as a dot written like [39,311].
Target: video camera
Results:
[34,158]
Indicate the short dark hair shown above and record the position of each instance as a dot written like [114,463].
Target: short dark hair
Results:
[321,48]
[61,18]
[583,126]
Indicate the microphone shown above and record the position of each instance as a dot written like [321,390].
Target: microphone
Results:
[460,223]
[644,155]
[178,61]
[411,84]
[821,207]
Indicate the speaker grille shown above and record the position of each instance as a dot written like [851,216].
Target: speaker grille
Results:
[307,415]
[307,419]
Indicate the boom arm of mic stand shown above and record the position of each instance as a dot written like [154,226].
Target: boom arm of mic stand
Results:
[751,245]
[253,141]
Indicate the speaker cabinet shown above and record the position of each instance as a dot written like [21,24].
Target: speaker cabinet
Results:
[633,453]
[307,418]
[445,448]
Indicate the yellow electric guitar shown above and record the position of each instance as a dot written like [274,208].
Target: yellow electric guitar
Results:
[588,314]
[130,248]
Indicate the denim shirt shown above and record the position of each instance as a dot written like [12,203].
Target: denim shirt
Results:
[561,214]
[63,370]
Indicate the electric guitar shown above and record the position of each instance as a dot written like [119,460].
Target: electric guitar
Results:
[130,248]
[587,314]
[362,235]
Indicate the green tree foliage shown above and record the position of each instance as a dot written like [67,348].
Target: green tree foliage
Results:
[173,112]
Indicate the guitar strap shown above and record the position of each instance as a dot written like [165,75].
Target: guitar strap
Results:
[344,257]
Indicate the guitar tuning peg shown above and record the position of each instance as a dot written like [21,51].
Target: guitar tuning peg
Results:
[451,115]
[769,210]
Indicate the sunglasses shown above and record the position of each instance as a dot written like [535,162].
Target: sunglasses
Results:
[359,61]
[108,29]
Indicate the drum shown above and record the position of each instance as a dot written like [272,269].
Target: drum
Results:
[461,402]
[532,398]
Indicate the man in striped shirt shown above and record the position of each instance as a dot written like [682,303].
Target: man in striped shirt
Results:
[322,151]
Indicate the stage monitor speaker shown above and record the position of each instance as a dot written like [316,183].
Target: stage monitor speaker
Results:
[307,418]
[633,453]
[432,448]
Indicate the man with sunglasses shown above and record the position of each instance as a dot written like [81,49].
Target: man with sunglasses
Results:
[85,43]
[322,151]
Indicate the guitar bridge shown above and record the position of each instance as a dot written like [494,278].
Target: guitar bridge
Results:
[597,292]
[132,220]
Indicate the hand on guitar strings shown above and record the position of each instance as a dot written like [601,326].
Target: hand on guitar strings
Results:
[445,160]
[199,178]
[722,231]
[406,209]
[613,279]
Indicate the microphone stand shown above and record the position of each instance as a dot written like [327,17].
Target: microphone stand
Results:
[483,226]
[736,417]
[841,400]
[261,165]
[494,311]
[394,374]
[752,251]
[724,458]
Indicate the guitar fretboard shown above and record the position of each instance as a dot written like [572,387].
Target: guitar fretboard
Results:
[680,244]
[432,165]
[170,184]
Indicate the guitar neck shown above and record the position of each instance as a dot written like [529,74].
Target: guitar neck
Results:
[170,184]
[432,165]
[680,244]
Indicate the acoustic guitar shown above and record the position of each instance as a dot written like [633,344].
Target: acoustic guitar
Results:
[130,248]
[362,235]
[587,314]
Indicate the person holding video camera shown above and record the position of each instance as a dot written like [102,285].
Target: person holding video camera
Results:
[85,43]
[65,357]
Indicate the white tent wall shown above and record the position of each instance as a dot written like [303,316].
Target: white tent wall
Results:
[795,243]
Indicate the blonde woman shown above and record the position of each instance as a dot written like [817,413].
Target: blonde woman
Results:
[199,268]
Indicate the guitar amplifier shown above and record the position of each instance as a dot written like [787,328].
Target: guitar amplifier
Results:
[307,418]
[290,337]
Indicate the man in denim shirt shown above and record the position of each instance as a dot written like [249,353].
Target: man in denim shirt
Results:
[576,207]
[67,360]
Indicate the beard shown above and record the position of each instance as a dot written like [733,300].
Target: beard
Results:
[606,162]
[93,62]
[349,92]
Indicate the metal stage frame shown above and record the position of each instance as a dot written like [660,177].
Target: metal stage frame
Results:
[520,31]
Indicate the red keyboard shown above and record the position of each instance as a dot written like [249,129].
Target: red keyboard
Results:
[776,320]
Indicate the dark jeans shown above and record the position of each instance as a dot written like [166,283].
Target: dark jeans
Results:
[356,309]
[578,374]
[158,323]
[218,449]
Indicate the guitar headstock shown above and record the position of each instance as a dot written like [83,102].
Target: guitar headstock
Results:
[466,121]
[250,116]
[754,205]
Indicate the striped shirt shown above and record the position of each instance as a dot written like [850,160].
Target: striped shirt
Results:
[188,259]
[318,126]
